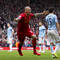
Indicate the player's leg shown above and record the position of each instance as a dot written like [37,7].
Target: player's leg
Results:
[50,35]
[39,42]
[10,44]
[43,44]
[19,48]
[40,48]
[57,42]
[43,48]
[54,55]
[51,47]
[56,49]
[21,41]
[34,44]
[55,37]
[10,47]
[31,35]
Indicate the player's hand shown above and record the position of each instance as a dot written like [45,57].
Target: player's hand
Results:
[44,12]
[14,19]
[42,37]
[59,32]
[52,43]
[46,36]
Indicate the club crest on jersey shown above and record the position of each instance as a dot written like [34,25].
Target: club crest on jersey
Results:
[27,21]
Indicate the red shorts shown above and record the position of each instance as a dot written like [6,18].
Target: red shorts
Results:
[22,35]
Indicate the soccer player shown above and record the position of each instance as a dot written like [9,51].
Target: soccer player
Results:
[53,31]
[23,29]
[10,33]
[41,36]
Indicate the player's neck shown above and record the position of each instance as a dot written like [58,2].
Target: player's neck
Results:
[27,14]
[40,25]
[51,13]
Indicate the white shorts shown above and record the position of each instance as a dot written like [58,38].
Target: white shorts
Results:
[41,41]
[10,40]
[52,36]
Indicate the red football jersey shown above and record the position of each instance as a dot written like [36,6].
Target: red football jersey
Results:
[23,24]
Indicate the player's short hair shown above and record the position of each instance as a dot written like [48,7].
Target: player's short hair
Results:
[28,7]
[51,9]
[46,9]
[41,21]
[9,23]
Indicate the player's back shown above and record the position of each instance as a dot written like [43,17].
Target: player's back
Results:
[9,32]
[42,31]
[51,19]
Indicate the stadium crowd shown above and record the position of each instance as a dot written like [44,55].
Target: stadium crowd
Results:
[9,9]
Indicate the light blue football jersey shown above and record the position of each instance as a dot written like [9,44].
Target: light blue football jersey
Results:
[51,19]
[9,32]
[42,31]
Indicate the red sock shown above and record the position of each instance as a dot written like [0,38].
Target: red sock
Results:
[34,45]
[19,49]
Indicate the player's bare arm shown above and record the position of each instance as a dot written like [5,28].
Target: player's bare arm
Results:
[13,32]
[38,14]
[58,28]
[16,19]
[42,13]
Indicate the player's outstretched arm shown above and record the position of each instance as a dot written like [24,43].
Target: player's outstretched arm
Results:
[42,13]
[16,19]
[38,14]
[58,28]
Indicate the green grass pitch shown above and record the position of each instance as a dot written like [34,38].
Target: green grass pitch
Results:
[28,55]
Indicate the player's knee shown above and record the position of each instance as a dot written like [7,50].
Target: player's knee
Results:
[34,36]
[51,43]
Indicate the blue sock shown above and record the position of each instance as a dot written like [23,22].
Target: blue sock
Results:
[51,47]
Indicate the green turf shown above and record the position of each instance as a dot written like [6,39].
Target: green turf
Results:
[28,55]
